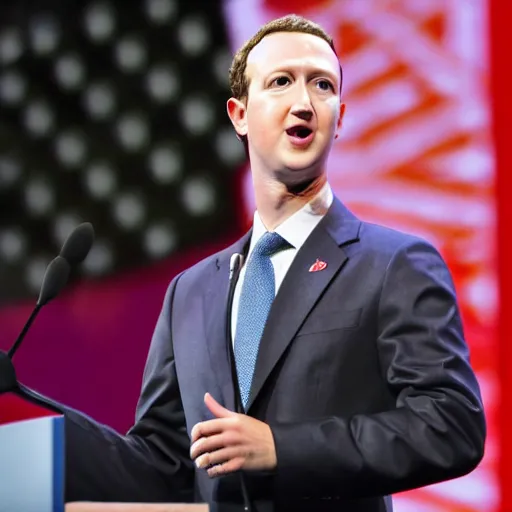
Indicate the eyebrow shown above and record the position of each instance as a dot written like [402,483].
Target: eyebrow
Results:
[310,71]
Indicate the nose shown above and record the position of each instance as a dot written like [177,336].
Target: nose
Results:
[304,114]
[302,107]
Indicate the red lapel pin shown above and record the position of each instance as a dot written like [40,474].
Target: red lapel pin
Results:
[317,266]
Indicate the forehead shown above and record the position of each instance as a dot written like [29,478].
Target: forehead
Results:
[291,49]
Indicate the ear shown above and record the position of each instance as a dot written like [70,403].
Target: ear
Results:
[340,119]
[237,112]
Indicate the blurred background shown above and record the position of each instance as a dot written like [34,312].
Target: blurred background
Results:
[114,113]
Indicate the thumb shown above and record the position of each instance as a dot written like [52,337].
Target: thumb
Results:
[215,408]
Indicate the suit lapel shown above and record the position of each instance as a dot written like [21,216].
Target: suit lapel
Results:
[301,289]
[215,314]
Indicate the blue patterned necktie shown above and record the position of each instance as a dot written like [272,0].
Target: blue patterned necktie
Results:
[258,292]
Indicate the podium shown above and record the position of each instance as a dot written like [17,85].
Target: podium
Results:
[31,456]
[32,463]
[135,507]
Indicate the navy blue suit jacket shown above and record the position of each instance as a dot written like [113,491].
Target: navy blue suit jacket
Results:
[363,376]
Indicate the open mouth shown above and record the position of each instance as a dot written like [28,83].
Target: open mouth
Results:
[300,132]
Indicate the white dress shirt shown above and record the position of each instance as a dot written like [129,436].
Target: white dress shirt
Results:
[295,230]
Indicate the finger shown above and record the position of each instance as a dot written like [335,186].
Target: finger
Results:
[227,467]
[197,448]
[207,428]
[212,443]
[219,456]
[215,408]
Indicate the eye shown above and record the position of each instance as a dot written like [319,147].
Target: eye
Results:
[325,85]
[281,81]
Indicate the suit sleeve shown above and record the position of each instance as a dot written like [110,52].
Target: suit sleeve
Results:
[151,463]
[437,429]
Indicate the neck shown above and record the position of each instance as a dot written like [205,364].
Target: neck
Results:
[276,201]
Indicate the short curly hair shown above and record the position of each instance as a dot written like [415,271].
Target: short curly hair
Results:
[291,23]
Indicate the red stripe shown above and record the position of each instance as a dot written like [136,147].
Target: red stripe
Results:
[13,408]
[501,87]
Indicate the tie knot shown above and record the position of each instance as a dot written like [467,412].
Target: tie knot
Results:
[269,244]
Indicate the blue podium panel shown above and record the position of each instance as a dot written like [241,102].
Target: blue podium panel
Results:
[32,465]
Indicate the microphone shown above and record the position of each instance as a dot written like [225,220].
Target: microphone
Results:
[73,252]
[55,278]
[78,244]
[235,265]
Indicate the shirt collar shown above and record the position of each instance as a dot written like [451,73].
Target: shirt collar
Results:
[296,228]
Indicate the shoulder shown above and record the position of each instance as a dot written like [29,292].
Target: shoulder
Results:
[404,257]
[388,240]
[389,248]
[374,240]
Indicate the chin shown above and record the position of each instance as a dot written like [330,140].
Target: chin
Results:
[302,162]
[293,173]
[306,158]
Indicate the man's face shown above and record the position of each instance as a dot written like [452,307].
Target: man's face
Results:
[293,107]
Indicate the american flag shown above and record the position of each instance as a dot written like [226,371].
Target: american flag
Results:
[115,116]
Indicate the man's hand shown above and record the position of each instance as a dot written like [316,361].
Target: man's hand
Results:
[231,442]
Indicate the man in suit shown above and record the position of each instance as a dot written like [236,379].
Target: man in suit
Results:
[344,338]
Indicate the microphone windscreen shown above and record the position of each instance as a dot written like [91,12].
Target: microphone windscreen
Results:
[55,278]
[78,244]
